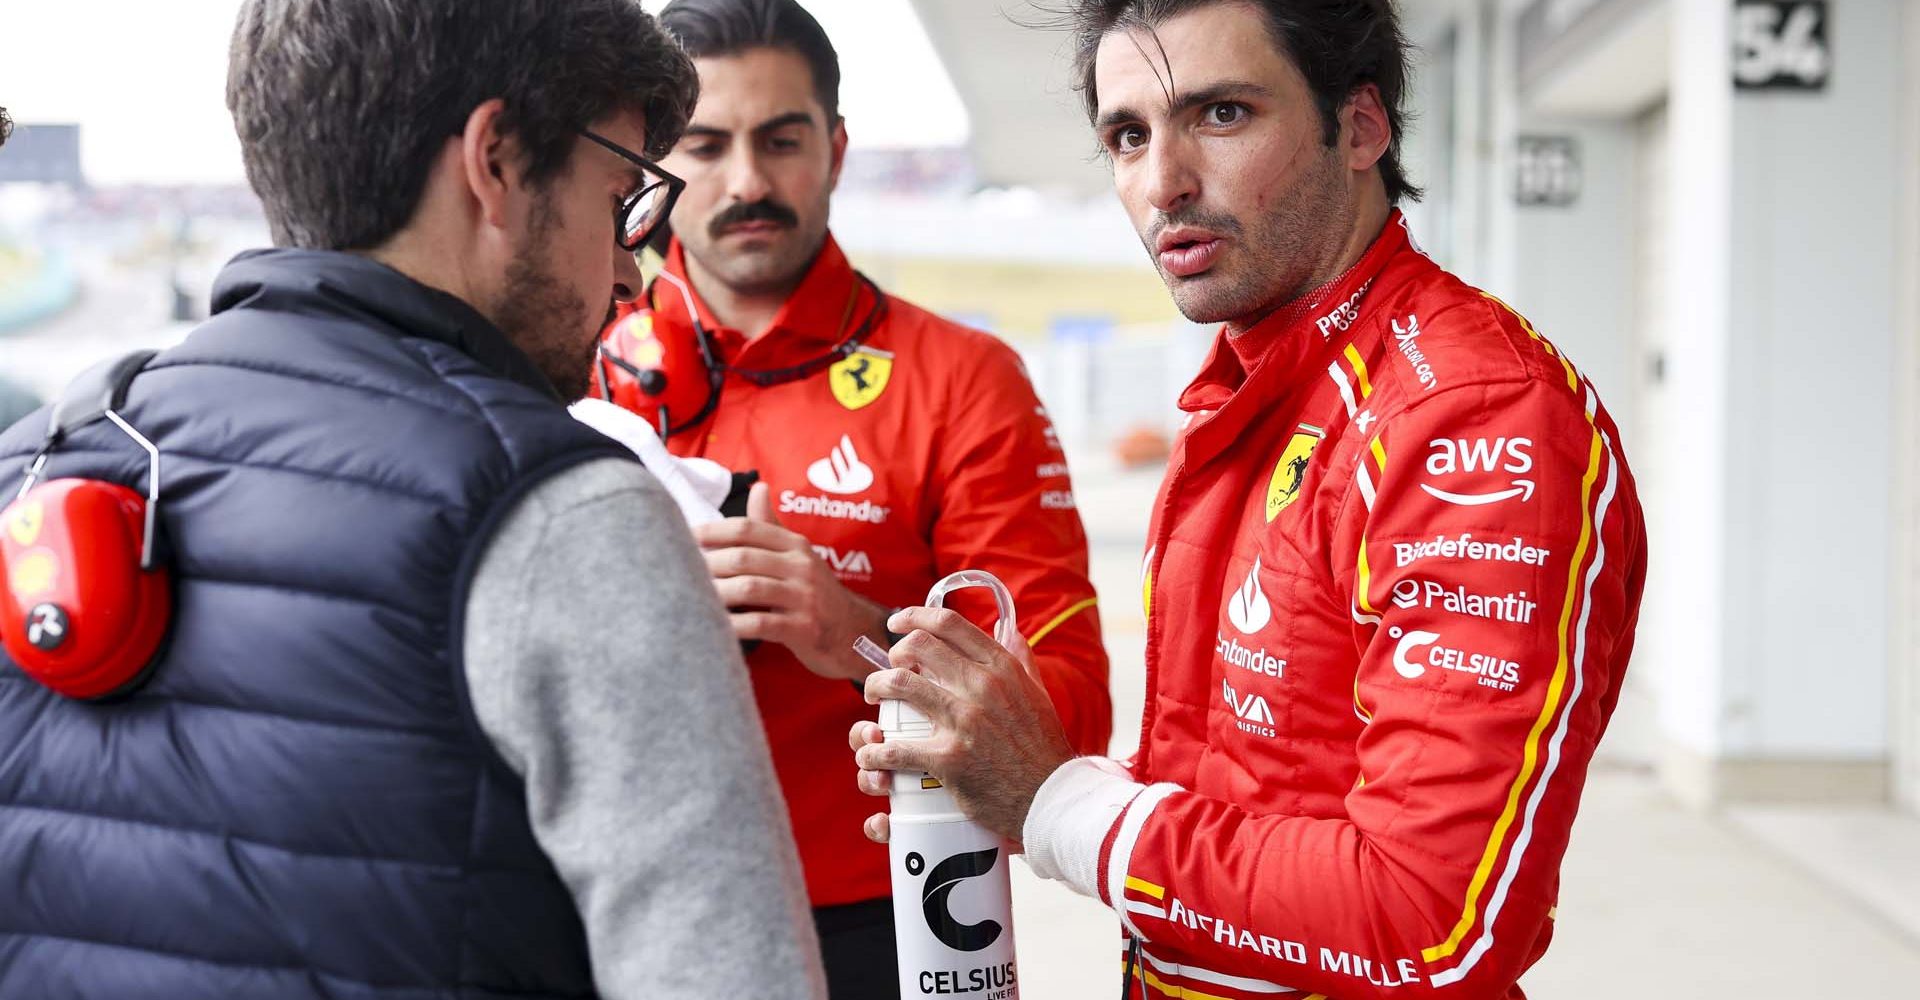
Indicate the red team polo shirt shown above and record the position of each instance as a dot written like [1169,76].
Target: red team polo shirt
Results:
[922,453]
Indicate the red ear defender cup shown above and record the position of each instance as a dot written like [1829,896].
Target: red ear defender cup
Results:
[653,370]
[78,613]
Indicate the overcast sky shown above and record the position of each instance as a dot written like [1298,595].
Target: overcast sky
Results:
[146,81]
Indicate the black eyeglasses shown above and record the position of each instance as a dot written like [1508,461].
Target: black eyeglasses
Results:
[649,205]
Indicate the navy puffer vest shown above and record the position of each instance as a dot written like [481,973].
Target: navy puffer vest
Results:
[300,803]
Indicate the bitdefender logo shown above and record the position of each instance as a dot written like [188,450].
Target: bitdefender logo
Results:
[1248,608]
[945,877]
[841,471]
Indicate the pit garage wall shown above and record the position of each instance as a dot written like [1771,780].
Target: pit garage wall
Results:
[1769,491]
[1810,404]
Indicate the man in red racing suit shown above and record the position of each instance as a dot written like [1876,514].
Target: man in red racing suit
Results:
[1391,583]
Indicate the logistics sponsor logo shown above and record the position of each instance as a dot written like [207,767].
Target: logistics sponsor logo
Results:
[1463,546]
[841,471]
[866,511]
[1344,315]
[1256,660]
[1057,500]
[854,565]
[1253,713]
[1284,488]
[1511,607]
[1407,338]
[1248,608]
[1417,650]
[1452,456]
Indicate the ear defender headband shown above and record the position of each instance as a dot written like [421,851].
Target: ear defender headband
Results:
[85,594]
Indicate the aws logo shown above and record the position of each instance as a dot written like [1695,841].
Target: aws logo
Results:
[1501,455]
[945,877]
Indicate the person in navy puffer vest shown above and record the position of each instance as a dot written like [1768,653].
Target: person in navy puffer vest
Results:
[419,730]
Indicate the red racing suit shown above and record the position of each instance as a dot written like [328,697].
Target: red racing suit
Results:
[1393,577]
[923,452]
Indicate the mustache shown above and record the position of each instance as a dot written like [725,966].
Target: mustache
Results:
[764,210]
[1200,218]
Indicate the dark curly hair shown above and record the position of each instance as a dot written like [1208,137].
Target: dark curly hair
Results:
[6,126]
[1338,45]
[342,105]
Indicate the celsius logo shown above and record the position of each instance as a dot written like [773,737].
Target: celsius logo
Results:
[1410,641]
[945,877]
[1248,609]
[1494,672]
[841,471]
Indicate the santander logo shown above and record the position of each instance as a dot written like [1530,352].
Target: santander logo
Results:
[1248,608]
[841,471]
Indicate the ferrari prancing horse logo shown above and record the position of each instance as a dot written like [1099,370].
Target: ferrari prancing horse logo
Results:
[1291,471]
[859,378]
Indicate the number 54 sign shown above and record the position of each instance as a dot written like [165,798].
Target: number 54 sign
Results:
[1781,44]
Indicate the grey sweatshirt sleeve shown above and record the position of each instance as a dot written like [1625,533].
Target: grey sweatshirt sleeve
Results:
[601,666]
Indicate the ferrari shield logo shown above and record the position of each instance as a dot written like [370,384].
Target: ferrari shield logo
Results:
[860,377]
[1291,471]
[24,525]
[637,343]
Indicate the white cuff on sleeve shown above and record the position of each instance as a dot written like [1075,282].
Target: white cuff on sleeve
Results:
[1071,816]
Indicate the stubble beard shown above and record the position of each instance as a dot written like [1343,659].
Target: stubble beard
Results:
[1275,257]
[540,315]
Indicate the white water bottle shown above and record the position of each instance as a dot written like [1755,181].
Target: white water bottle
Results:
[952,902]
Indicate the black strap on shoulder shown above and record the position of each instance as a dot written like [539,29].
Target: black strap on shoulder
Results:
[95,391]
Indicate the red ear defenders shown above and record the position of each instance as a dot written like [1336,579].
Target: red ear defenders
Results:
[85,596]
[674,377]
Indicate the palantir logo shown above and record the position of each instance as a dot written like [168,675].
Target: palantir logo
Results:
[945,877]
[842,471]
[1248,609]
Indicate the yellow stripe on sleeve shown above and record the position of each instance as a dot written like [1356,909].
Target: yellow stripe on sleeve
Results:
[1359,371]
[1471,911]
[1060,619]
[1365,583]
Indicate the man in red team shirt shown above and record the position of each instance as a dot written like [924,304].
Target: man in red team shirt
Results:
[896,447]
[1392,576]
